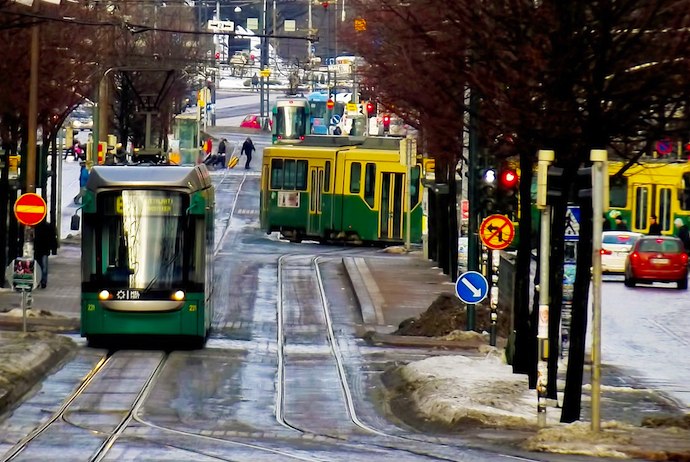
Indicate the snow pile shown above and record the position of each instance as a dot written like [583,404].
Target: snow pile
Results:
[450,389]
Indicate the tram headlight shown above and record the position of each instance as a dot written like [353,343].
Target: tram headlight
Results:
[104,295]
[178,295]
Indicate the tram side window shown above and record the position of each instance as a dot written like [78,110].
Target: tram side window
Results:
[369,184]
[327,177]
[289,174]
[684,193]
[355,177]
[618,192]
[277,174]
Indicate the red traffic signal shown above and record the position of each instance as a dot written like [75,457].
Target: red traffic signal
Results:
[509,179]
[370,108]
[330,104]
[217,55]
[386,120]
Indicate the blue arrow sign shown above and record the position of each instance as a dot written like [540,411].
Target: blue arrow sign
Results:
[471,287]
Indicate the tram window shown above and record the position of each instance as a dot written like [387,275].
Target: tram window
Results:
[290,178]
[684,192]
[618,192]
[355,177]
[641,211]
[277,174]
[327,177]
[414,185]
[369,183]
[301,174]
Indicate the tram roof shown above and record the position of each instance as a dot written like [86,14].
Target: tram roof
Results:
[193,178]
[365,142]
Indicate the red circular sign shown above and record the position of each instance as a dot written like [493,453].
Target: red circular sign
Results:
[330,104]
[497,232]
[30,209]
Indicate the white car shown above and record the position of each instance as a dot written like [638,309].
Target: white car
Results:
[615,247]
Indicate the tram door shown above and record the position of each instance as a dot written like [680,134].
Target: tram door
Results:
[391,212]
[651,200]
[315,192]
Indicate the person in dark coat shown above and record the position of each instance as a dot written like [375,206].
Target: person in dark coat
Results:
[247,148]
[620,224]
[683,233]
[654,226]
[221,161]
[45,243]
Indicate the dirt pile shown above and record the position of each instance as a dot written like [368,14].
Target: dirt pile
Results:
[446,314]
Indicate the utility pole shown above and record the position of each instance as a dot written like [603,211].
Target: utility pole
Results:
[545,158]
[598,158]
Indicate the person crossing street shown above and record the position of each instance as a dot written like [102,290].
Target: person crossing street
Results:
[247,148]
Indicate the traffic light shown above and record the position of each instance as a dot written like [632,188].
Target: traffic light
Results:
[217,56]
[507,197]
[583,185]
[487,190]
[555,185]
[386,122]
[370,108]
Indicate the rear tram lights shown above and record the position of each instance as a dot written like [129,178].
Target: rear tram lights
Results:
[178,295]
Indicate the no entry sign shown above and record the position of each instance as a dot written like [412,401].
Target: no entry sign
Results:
[30,209]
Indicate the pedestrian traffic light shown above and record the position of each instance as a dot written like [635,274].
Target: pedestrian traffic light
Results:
[555,185]
[386,122]
[507,197]
[487,190]
[583,185]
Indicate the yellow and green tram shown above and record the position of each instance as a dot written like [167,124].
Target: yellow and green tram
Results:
[650,188]
[340,189]
[147,246]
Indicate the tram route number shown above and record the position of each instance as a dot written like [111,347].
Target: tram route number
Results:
[128,294]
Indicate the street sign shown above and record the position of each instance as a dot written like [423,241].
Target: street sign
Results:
[226,26]
[572,223]
[30,209]
[471,287]
[664,146]
[265,72]
[497,232]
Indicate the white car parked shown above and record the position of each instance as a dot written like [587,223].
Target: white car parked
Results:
[615,247]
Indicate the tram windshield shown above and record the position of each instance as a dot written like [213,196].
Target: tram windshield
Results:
[290,122]
[140,239]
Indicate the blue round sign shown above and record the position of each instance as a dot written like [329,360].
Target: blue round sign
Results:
[471,287]
[335,120]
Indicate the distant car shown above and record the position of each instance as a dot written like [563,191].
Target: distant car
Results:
[615,247]
[657,259]
[252,121]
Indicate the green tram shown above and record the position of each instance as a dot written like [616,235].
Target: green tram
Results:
[337,188]
[147,246]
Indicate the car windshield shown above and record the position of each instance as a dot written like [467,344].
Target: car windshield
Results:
[660,245]
[622,239]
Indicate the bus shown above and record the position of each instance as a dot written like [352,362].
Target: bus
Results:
[320,115]
[147,246]
[341,189]
[660,188]
[290,120]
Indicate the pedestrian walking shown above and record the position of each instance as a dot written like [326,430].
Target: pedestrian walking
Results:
[45,243]
[83,178]
[247,148]
[255,82]
[683,233]
[654,226]
[222,150]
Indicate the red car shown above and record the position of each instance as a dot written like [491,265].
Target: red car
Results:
[253,121]
[657,259]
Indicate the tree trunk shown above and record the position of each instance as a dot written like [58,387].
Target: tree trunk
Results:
[523,361]
[556,261]
[572,399]
[453,225]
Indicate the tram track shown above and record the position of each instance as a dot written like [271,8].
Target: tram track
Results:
[367,435]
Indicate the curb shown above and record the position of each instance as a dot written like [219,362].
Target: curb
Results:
[427,342]
[43,353]
[36,324]
[364,300]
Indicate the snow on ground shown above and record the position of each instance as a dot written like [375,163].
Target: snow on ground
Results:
[451,389]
